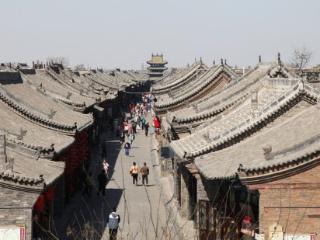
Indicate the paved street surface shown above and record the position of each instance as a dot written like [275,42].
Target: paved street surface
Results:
[143,215]
[140,207]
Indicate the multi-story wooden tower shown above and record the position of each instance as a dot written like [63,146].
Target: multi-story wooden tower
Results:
[157,66]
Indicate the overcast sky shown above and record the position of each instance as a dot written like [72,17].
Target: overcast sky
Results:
[124,33]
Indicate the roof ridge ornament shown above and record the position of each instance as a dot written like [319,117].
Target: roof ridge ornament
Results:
[51,113]
[22,133]
[279,59]
[69,94]
[267,150]
[9,164]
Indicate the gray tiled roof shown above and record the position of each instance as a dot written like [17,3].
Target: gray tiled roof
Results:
[234,93]
[273,95]
[43,81]
[290,140]
[29,173]
[27,97]
[177,79]
[11,124]
[190,90]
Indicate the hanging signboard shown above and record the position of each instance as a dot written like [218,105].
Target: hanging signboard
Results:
[12,232]
[300,237]
[258,236]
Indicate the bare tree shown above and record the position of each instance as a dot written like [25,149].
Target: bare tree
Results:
[301,57]
[58,60]
[79,67]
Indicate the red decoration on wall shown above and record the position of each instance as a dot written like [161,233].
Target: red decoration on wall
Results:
[77,155]
[39,206]
[49,194]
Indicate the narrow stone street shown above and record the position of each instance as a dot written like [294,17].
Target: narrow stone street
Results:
[142,212]
[140,207]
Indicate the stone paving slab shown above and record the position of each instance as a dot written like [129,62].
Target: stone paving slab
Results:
[141,210]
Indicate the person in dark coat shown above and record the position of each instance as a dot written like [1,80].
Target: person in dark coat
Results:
[102,182]
[146,128]
[127,147]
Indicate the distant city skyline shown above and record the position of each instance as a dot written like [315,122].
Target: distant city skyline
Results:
[124,33]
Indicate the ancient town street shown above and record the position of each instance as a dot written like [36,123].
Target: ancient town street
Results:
[142,211]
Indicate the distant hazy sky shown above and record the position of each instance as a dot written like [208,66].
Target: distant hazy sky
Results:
[124,33]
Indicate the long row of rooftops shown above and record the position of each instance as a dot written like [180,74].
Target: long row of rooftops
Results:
[231,125]
[42,109]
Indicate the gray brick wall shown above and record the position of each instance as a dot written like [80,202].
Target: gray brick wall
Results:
[16,208]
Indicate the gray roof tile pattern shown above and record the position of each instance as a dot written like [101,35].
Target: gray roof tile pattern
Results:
[234,93]
[11,124]
[55,89]
[195,87]
[28,172]
[289,140]
[179,78]
[272,96]
[38,104]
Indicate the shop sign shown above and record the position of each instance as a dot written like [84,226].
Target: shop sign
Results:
[300,237]
[258,236]
[12,232]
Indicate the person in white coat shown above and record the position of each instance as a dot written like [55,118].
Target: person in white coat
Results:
[113,224]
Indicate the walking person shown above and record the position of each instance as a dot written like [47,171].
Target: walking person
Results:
[127,147]
[131,138]
[134,171]
[122,138]
[144,172]
[105,166]
[113,224]
[134,127]
[146,128]
[102,182]
[143,122]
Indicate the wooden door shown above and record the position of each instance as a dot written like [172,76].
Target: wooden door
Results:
[207,221]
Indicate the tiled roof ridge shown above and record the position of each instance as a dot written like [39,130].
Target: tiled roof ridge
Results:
[38,151]
[293,164]
[104,79]
[21,181]
[276,171]
[79,107]
[207,113]
[97,81]
[231,72]
[67,84]
[195,91]
[34,117]
[76,106]
[30,149]
[269,112]
[52,74]
[179,81]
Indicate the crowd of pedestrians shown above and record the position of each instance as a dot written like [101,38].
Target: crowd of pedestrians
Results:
[135,122]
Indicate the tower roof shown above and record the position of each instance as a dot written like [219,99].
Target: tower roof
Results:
[157,59]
